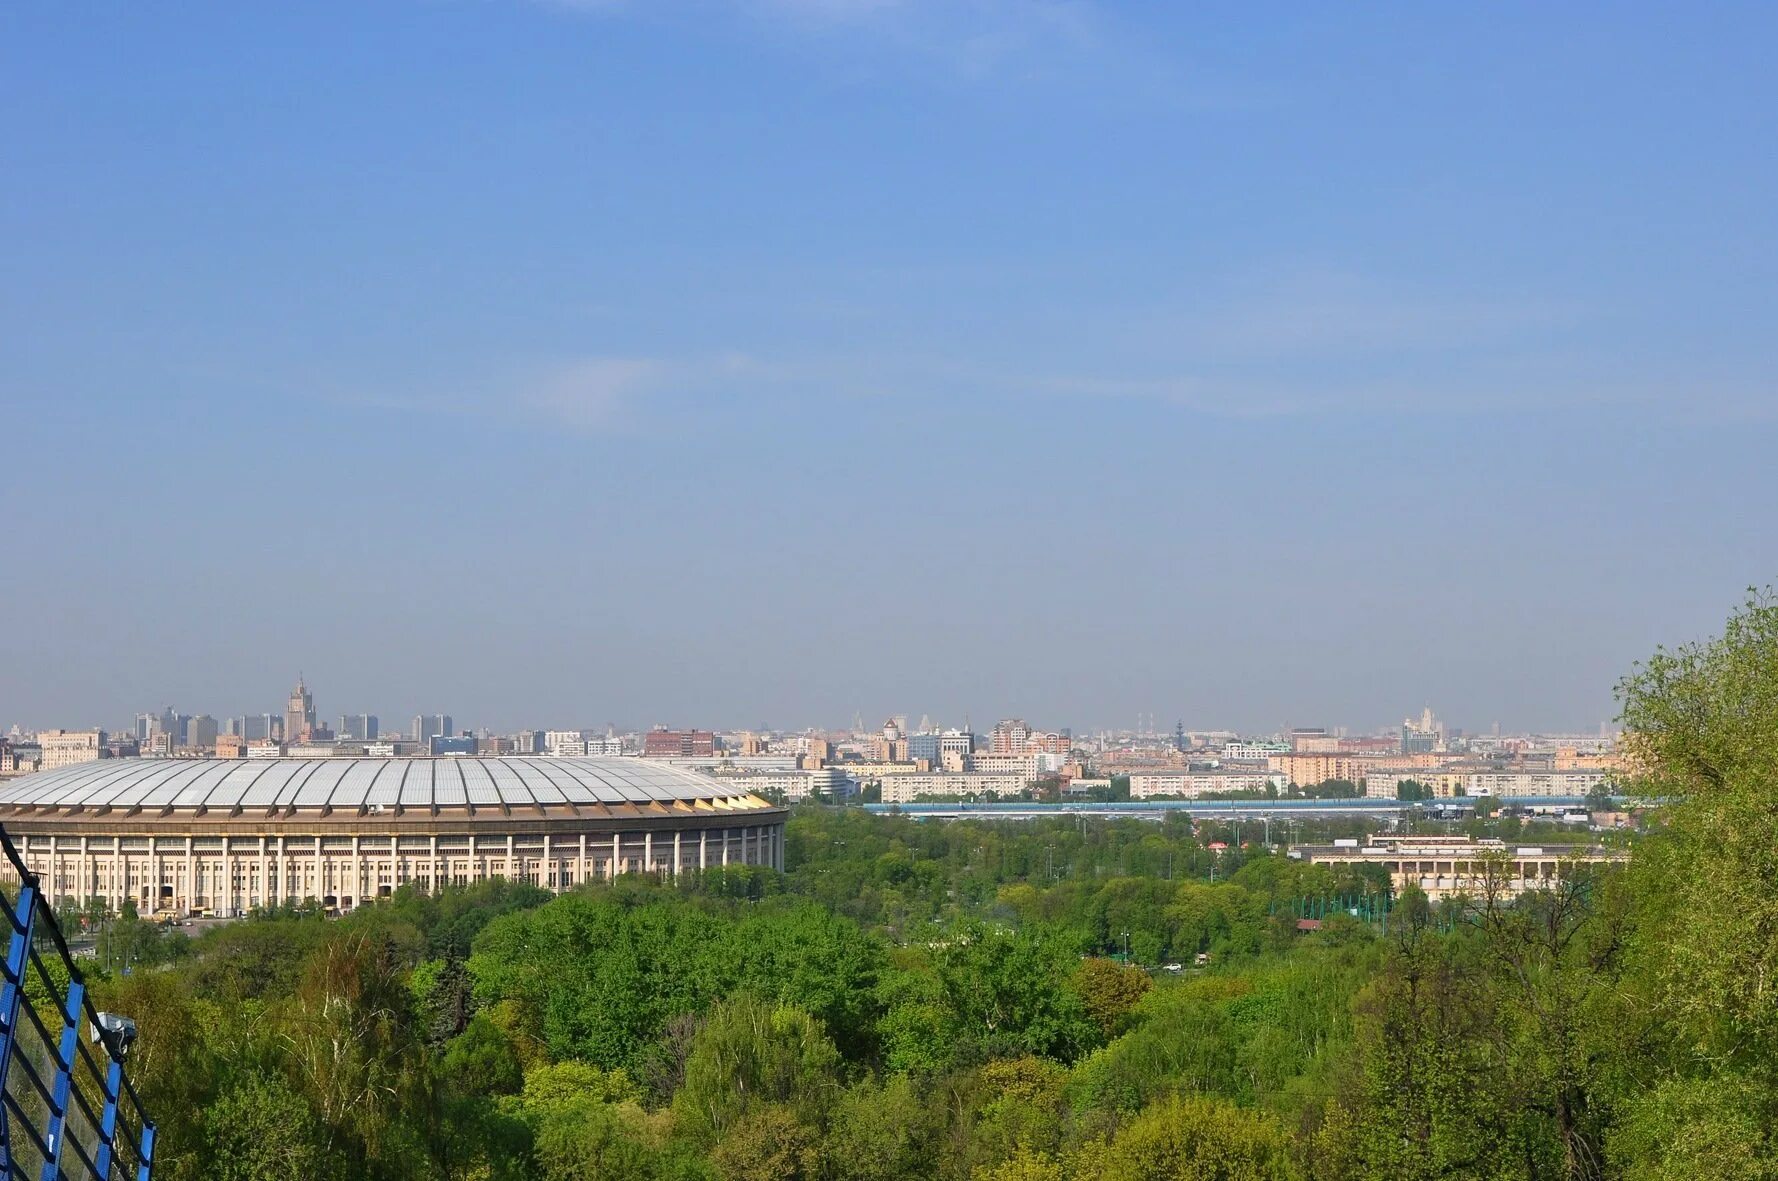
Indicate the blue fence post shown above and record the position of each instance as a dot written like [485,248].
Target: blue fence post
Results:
[11,996]
[146,1152]
[60,1091]
[108,1118]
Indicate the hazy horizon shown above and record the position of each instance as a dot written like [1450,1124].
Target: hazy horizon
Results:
[773,361]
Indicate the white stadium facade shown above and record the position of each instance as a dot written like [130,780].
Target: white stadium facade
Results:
[213,836]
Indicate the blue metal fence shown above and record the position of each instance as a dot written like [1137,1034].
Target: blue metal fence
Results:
[67,1108]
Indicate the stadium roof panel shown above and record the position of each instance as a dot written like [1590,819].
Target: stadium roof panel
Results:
[356,782]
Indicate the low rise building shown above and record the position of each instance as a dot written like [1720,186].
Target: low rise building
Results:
[1384,783]
[1446,865]
[788,784]
[1191,785]
[1510,784]
[662,743]
[64,748]
[905,789]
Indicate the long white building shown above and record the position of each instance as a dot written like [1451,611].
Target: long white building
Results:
[1190,785]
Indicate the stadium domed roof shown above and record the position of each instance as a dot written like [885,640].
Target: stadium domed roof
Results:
[358,785]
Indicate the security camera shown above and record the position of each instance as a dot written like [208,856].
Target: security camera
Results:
[117,1032]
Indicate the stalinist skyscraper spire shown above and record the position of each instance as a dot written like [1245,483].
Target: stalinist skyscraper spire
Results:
[299,713]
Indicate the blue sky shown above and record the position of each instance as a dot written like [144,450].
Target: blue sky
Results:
[767,362]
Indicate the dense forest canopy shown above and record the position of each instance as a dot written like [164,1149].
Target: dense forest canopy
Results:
[982,1001]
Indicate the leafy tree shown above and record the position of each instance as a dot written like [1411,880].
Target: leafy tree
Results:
[1017,1105]
[584,1139]
[1702,723]
[751,1052]
[768,1144]
[261,1130]
[1696,1128]
[882,1131]
[1006,992]
[1023,1165]
[352,1049]
[481,1060]
[1434,1103]
[1191,1139]
[1109,990]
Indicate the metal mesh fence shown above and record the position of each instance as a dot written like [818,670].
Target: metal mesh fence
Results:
[67,1108]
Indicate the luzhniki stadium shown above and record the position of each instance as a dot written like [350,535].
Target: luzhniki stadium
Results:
[212,836]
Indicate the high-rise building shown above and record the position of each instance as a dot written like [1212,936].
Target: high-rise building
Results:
[168,723]
[429,726]
[1008,737]
[200,732]
[358,727]
[1424,736]
[299,713]
[960,743]
[262,728]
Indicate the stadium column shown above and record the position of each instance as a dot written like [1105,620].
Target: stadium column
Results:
[191,892]
[648,852]
[282,891]
[357,882]
[703,848]
[676,861]
[616,847]
[265,875]
[580,869]
[512,865]
[433,883]
[725,848]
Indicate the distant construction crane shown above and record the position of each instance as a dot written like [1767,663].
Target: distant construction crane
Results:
[65,1111]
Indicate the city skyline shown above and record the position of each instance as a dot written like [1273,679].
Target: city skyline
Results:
[743,362]
[352,724]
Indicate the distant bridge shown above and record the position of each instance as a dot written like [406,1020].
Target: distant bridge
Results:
[1208,809]
[67,1110]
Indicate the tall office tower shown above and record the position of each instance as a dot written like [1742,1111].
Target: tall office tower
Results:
[200,732]
[144,726]
[359,727]
[428,726]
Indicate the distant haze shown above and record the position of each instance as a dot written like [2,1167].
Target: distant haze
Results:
[727,364]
